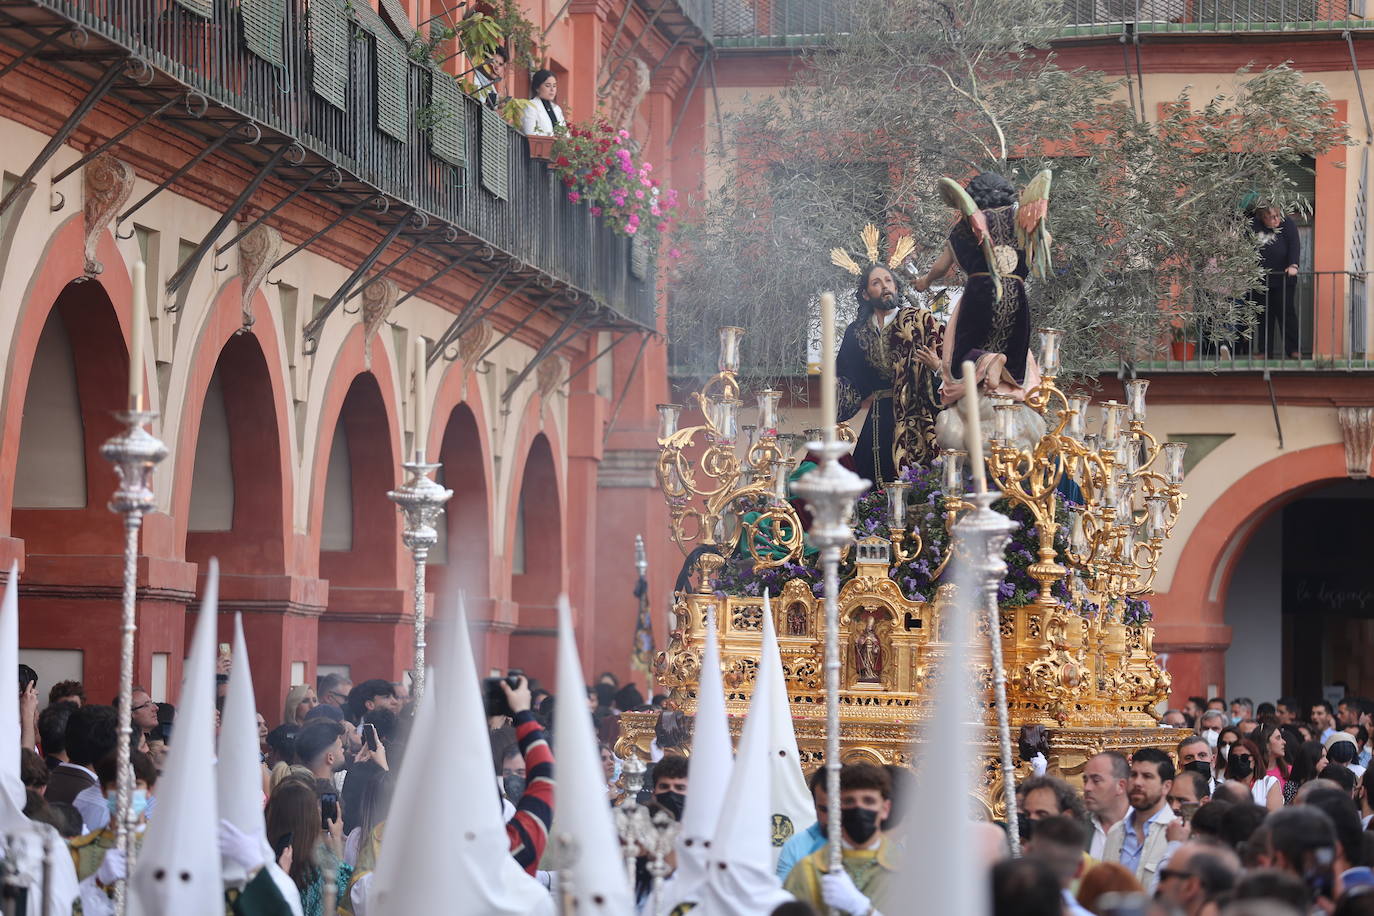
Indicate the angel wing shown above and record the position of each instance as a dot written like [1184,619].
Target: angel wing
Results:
[954,195]
[1031,233]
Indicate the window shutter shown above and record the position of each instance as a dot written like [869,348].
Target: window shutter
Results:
[495,154]
[329,32]
[262,28]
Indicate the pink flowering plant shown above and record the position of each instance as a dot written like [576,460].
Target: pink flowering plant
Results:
[598,167]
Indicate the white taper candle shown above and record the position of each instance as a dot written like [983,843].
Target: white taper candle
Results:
[137,330]
[828,409]
[421,401]
[973,428]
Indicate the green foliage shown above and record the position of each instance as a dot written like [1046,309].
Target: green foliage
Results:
[525,42]
[1146,215]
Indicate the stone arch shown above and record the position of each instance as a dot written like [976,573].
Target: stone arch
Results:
[363,429]
[534,552]
[365,627]
[62,264]
[467,518]
[1190,618]
[249,365]
[81,326]
[346,369]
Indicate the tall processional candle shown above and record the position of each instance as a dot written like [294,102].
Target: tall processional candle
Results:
[973,428]
[137,324]
[421,407]
[828,409]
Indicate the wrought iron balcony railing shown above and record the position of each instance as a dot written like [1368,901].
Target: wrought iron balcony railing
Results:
[338,79]
[805,23]
[1318,320]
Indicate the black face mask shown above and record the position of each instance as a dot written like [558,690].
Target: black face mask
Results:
[1239,766]
[859,823]
[1201,767]
[672,802]
[514,785]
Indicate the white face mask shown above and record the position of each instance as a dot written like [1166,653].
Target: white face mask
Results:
[1225,751]
[1210,736]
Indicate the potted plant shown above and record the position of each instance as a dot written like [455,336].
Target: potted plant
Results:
[1182,349]
[541,148]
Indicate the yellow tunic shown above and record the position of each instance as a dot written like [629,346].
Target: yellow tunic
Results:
[871,869]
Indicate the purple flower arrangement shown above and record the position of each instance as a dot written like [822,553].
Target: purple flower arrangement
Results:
[925,513]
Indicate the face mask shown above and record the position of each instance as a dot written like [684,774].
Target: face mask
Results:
[672,802]
[1224,751]
[1235,720]
[1210,736]
[514,787]
[1201,767]
[138,803]
[1239,767]
[859,823]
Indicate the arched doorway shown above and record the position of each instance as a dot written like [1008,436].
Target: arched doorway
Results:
[462,559]
[61,486]
[536,558]
[1300,602]
[359,541]
[236,484]
[1193,624]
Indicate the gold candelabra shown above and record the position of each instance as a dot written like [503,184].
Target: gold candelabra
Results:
[1128,503]
[721,487]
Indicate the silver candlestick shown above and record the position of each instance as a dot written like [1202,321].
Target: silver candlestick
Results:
[830,491]
[134,454]
[631,818]
[422,501]
[986,534]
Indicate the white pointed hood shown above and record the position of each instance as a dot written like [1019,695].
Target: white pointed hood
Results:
[938,869]
[741,879]
[238,772]
[794,810]
[27,838]
[708,777]
[437,840]
[598,881]
[178,868]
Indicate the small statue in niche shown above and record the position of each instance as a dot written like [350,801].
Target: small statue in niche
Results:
[796,619]
[868,650]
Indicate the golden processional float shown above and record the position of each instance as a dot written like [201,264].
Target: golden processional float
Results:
[1094,510]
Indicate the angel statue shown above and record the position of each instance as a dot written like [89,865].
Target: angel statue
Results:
[889,360]
[998,242]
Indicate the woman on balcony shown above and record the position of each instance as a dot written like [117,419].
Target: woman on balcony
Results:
[542,114]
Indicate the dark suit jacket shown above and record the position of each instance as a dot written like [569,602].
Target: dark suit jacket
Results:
[66,783]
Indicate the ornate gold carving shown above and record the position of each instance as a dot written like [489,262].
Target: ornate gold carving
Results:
[257,252]
[379,298]
[107,183]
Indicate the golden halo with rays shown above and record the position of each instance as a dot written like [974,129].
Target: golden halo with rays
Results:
[900,252]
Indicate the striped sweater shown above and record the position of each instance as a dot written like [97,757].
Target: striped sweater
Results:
[529,829]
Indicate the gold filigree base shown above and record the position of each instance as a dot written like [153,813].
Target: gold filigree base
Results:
[1094,681]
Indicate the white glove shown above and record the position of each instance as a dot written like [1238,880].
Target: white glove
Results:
[114,867]
[1038,764]
[838,890]
[240,848]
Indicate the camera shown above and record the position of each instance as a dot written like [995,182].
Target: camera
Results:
[494,698]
